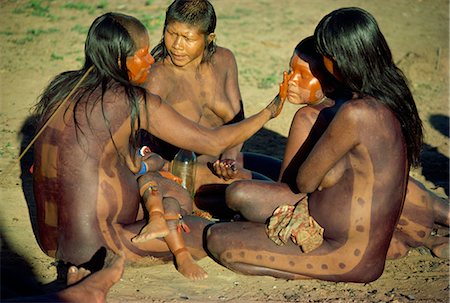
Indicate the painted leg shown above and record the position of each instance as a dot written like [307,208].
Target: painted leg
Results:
[157,226]
[185,264]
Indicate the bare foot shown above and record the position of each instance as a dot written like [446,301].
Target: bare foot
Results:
[441,250]
[75,274]
[156,228]
[95,287]
[187,266]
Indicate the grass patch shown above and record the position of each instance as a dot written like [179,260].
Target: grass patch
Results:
[34,33]
[152,23]
[39,8]
[268,81]
[38,32]
[80,6]
[55,56]
[83,30]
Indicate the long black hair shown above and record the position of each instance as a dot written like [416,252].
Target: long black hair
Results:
[193,12]
[351,38]
[110,40]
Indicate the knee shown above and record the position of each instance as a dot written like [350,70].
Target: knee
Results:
[171,206]
[235,195]
[213,241]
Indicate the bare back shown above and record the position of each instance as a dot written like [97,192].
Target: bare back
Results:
[91,179]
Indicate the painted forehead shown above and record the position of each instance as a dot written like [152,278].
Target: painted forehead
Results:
[298,65]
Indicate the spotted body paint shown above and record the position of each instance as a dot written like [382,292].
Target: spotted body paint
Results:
[360,205]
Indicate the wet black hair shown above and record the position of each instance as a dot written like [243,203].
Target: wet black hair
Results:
[199,13]
[352,39]
[110,40]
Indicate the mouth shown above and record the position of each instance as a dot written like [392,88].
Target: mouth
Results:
[177,57]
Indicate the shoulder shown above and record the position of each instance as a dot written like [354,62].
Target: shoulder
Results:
[158,70]
[158,78]
[366,110]
[223,55]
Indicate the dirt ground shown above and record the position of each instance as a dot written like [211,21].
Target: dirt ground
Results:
[40,39]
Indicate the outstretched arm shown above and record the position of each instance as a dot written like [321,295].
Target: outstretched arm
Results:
[163,121]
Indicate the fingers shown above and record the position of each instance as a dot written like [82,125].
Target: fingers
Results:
[284,86]
[225,169]
[278,102]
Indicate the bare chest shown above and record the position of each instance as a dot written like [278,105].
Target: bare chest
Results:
[201,97]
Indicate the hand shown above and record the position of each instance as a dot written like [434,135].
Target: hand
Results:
[225,169]
[277,103]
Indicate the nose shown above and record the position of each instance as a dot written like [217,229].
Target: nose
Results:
[177,43]
[291,78]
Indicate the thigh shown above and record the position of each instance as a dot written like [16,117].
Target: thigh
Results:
[256,200]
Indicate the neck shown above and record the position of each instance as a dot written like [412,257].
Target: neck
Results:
[318,102]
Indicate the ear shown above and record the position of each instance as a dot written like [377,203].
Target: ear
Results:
[211,37]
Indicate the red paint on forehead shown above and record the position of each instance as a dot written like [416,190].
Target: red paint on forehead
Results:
[301,74]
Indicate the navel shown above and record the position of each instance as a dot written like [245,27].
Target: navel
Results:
[359,228]
[361,201]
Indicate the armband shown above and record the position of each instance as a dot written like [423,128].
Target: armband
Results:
[143,151]
[143,169]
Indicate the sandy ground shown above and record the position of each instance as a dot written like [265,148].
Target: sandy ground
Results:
[39,39]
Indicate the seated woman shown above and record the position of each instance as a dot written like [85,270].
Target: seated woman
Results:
[200,81]
[344,177]
[84,182]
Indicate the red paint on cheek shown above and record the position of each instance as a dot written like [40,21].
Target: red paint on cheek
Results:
[314,88]
[138,65]
[302,77]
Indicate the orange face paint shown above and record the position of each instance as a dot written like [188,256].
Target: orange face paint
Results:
[303,86]
[139,65]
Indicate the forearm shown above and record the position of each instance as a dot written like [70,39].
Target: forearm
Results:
[165,123]
[232,153]
[243,131]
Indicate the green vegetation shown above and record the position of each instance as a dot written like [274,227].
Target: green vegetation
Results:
[88,7]
[31,34]
[268,81]
[152,23]
[83,30]
[55,56]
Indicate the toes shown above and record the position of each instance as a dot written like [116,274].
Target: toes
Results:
[72,275]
